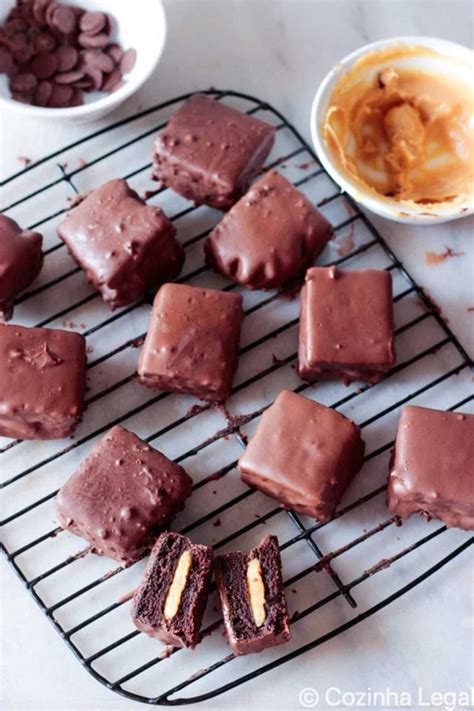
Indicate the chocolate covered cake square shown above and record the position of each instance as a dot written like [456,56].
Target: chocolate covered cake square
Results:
[303,454]
[21,259]
[209,152]
[122,496]
[346,325]
[432,472]
[253,600]
[170,602]
[42,382]
[269,237]
[192,340]
[123,245]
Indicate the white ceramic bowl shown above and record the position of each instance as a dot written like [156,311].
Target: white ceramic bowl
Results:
[452,56]
[141,25]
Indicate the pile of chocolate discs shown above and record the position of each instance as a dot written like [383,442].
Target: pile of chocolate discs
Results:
[53,53]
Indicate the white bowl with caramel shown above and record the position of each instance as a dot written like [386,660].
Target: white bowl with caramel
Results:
[393,124]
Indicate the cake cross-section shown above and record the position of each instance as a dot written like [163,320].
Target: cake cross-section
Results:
[269,237]
[432,472]
[170,602]
[21,259]
[209,152]
[123,245]
[303,454]
[122,496]
[42,382]
[346,325]
[253,600]
[192,340]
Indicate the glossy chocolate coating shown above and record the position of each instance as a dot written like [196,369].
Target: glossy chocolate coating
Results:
[42,376]
[231,582]
[21,259]
[209,152]
[183,630]
[270,237]
[303,454]
[122,496]
[433,466]
[192,340]
[123,245]
[346,325]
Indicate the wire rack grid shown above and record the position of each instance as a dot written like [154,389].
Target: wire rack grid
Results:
[336,574]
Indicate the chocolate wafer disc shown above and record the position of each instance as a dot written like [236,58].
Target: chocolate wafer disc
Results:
[67,57]
[6,61]
[93,22]
[61,95]
[23,83]
[128,61]
[43,93]
[64,19]
[44,42]
[44,65]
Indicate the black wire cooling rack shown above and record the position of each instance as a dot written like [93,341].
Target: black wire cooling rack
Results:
[336,574]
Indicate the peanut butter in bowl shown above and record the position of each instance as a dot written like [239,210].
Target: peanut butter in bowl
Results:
[398,130]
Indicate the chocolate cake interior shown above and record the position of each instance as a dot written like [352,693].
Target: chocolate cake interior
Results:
[182,570]
[246,634]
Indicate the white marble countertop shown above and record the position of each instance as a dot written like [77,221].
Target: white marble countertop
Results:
[279,50]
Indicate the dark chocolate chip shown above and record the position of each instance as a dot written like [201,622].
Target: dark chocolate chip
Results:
[67,57]
[6,61]
[77,98]
[115,51]
[17,24]
[93,41]
[95,75]
[64,19]
[43,93]
[119,85]
[20,47]
[44,42]
[60,96]
[44,65]
[69,77]
[128,61]
[49,12]
[22,98]
[112,81]
[99,60]
[92,22]
[86,83]
[39,10]
[23,83]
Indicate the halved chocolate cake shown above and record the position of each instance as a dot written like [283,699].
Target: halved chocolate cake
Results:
[171,599]
[253,599]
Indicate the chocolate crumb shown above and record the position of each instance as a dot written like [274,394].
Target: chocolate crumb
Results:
[276,360]
[381,565]
[305,166]
[151,193]
[137,342]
